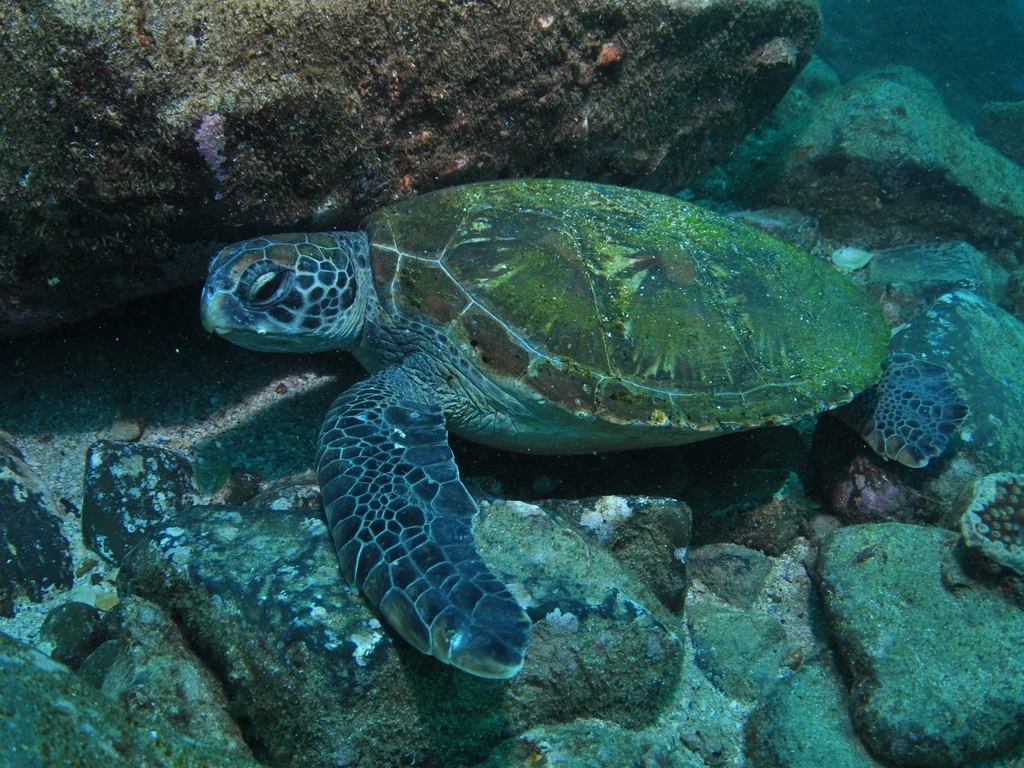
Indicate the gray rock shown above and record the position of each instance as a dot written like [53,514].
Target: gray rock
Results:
[804,722]
[129,488]
[320,681]
[36,555]
[1000,124]
[150,669]
[908,279]
[734,573]
[936,664]
[742,653]
[70,632]
[739,477]
[51,718]
[648,536]
[134,138]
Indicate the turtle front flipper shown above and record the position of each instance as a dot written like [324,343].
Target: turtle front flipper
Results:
[401,521]
[912,411]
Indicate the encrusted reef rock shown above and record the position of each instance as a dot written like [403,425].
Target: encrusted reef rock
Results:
[882,163]
[51,717]
[157,128]
[934,657]
[319,681]
[129,488]
[36,555]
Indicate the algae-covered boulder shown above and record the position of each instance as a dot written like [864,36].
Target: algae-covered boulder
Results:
[134,135]
[320,681]
[881,163]
[934,657]
[51,717]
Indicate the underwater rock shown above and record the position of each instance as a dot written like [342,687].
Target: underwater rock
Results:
[741,652]
[148,667]
[867,489]
[129,488]
[319,681]
[804,722]
[647,536]
[136,135]
[935,663]
[880,162]
[787,224]
[70,632]
[1000,124]
[734,573]
[736,482]
[37,556]
[908,279]
[589,743]
[52,718]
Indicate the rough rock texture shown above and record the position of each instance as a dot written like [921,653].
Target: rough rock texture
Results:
[129,488]
[906,280]
[935,659]
[35,554]
[804,723]
[70,632]
[647,536]
[156,128]
[741,653]
[734,573]
[590,743]
[320,682]
[149,668]
[738,477]
[50,717]
[1000,124]
[881,163]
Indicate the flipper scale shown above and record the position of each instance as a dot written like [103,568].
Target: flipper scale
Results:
[401,521]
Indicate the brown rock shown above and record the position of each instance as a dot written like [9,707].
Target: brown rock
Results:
[137,136]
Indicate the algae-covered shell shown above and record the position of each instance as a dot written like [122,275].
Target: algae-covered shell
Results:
[626,307]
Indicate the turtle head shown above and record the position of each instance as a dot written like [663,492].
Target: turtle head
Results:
[289,293]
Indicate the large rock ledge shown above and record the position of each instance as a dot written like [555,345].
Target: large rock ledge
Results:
[136,135]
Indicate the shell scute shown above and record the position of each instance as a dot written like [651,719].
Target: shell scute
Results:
[668,312]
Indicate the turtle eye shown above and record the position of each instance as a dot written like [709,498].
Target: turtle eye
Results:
[269,288]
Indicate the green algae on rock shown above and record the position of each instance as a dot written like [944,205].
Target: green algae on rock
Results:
[53,718]
[934,657]
[320,681]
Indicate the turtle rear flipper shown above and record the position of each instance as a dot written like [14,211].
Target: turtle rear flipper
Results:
[401,521]
[912,411]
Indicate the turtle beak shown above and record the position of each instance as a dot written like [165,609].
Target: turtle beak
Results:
[222,313]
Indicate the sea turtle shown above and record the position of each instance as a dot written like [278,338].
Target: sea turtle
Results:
[537,316]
